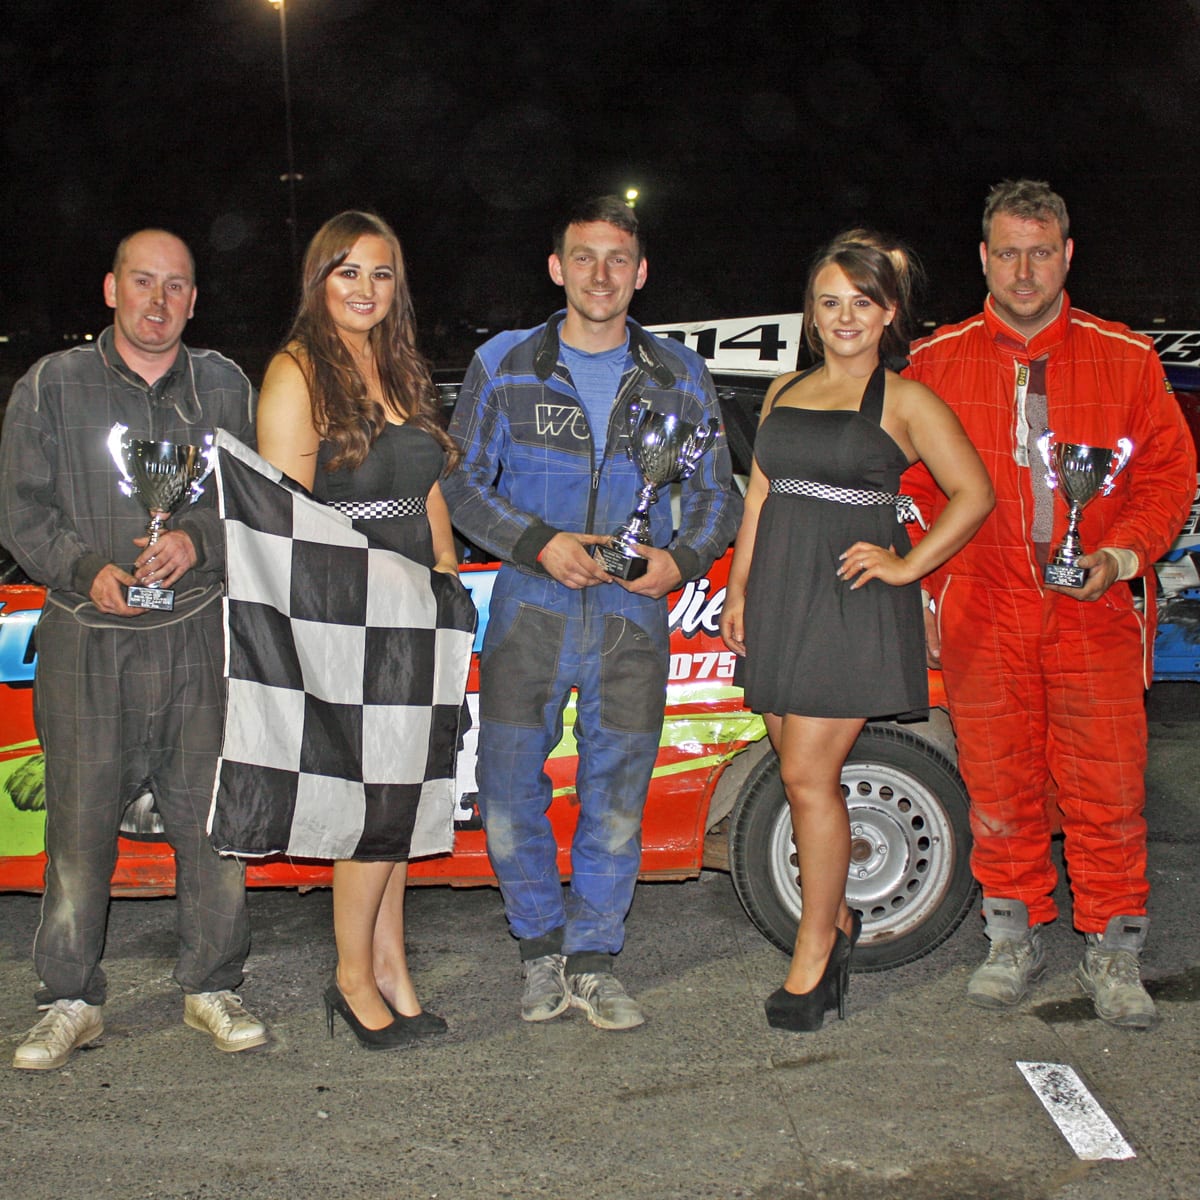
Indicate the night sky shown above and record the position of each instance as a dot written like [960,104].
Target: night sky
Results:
[754,132]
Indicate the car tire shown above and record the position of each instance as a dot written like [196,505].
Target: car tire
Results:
[910,877]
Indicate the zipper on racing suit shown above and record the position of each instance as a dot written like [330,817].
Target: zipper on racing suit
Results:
[598,467]
[626,387]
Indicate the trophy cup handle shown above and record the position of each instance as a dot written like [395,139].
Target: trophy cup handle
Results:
[1044,444]
[699,442]
[704,437]
[116,449]
[208,453]
[635,412]
[1120,459]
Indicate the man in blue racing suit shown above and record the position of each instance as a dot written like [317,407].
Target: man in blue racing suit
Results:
[544,478]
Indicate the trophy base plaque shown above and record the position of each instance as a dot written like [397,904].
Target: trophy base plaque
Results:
[1064,575]
[162,599]
[621,563]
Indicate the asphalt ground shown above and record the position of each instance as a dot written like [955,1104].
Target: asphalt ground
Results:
[915,1096]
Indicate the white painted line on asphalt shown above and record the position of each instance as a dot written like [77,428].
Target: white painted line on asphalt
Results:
[1075,1111]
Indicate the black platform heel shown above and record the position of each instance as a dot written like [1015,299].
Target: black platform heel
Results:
[855,927]
[840,981]
[843,948]
[389,1037]
[804,1012]
[423,1024]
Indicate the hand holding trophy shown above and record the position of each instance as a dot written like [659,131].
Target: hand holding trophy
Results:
[161,475]
[1082,472]
[665,450]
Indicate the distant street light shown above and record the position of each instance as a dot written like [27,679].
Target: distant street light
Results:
[289,177]
[631,195]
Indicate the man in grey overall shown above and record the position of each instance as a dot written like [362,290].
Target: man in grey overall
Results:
[126,699]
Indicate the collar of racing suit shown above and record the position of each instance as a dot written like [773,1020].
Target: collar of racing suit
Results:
[641,346]
[176,389]
[1042,342]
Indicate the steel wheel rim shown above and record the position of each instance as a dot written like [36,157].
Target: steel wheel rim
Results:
[901,851]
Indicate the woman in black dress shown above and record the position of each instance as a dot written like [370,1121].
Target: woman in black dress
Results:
[347,409]
[823,595]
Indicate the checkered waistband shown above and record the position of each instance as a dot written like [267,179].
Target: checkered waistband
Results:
[368,510]
[906,507]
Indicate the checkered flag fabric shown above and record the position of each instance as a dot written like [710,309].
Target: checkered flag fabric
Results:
[346,665]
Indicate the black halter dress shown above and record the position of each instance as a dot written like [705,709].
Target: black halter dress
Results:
[813,645]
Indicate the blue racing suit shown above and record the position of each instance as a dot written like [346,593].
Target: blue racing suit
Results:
[533,467]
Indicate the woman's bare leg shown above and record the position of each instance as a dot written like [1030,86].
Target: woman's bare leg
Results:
[390,958]
[358,892]
[812,752]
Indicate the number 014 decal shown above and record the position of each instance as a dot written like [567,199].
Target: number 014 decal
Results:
[763,345]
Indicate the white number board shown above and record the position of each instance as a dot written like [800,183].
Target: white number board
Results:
[766,346]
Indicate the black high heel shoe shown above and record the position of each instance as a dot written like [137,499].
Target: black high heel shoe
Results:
[388,1038]
[855,927]
[422,1025]
[804,1012]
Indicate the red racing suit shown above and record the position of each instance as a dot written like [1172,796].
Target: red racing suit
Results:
[1047,692]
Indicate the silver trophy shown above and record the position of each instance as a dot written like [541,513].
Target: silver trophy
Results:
[162,476]
[1082,472]
[666,450]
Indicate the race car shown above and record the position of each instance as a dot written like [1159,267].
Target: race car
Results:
[715,799]
[1177,645]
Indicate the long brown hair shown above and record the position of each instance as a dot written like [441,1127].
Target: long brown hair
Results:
[343,414]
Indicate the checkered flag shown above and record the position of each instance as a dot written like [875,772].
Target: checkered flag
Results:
[346,665]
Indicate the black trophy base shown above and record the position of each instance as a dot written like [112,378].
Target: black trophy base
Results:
[1064,575]
[621,563]
[162,599]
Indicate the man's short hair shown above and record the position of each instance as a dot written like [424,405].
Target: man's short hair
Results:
[610,209]
[123,247]
[1027,200]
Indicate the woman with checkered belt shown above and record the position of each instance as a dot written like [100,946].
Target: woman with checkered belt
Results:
[826,610]
[347,409]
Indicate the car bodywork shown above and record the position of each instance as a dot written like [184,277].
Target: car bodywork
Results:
[1177,644]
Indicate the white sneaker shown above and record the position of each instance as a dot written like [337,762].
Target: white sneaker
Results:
[223,1015]
[604,1000]
[67,1025]
[545,995]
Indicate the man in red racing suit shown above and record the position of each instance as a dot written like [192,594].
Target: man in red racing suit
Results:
[1046,683]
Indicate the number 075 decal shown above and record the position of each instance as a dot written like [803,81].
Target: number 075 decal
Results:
[704,664]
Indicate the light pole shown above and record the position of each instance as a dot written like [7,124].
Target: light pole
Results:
[289,177]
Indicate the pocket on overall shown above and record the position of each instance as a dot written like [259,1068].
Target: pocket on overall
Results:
[633,677]
[518,672]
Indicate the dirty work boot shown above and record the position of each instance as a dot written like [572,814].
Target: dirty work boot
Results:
[1016,958]
[545,995]
[222,1015]
[67,1025]
[607,1004]
[1110,973]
